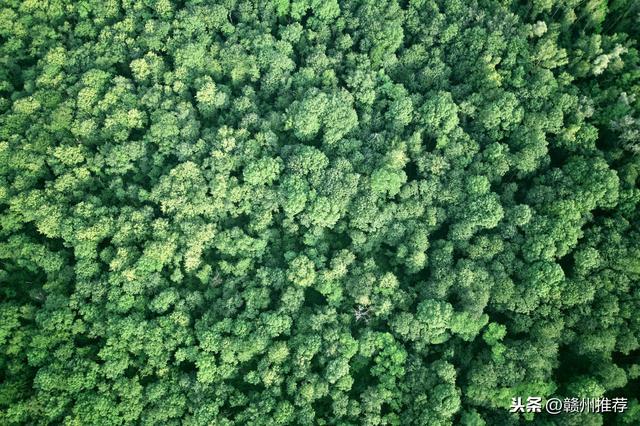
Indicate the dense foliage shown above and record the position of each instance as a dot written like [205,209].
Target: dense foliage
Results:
[360,212]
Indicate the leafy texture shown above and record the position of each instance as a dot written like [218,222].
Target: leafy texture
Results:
[362,212]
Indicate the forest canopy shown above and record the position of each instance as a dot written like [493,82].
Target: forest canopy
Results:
[318,212]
